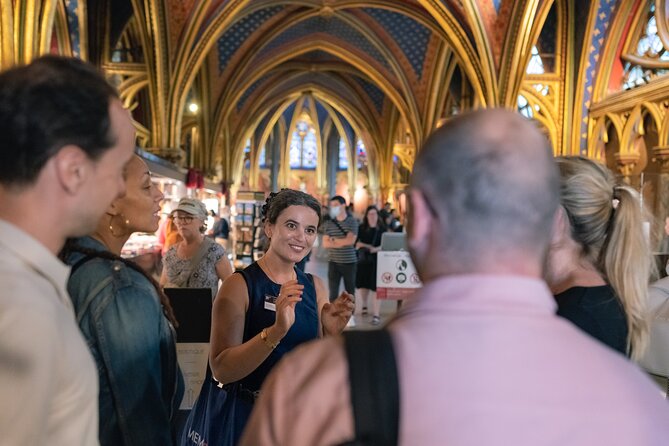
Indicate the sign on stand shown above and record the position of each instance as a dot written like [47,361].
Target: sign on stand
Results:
[396,276]
[192,308]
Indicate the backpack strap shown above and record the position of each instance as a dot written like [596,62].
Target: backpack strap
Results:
[374,385]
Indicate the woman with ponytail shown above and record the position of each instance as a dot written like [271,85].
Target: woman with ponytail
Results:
[127,321]
[599,261]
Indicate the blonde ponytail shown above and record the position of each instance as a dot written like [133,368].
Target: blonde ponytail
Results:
[607,220]
[626,262]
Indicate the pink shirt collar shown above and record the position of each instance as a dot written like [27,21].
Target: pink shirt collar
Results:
[483,293]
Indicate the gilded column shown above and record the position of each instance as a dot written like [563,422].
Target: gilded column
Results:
[661,155]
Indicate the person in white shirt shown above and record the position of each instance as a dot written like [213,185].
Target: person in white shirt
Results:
[65,142]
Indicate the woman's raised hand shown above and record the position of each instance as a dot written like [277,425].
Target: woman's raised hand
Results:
[289,295]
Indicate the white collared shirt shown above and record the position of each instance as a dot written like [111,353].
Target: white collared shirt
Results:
[48,379]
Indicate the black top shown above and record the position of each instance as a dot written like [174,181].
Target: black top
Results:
[259,316]
[598,312]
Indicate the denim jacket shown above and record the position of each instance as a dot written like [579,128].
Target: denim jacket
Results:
[119,313]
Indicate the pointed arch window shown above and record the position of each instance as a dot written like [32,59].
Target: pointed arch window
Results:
[536,65]
[646,56]
[343,158]
[362,153]
[303,147]
[262,159]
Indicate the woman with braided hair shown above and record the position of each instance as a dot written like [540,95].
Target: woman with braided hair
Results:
[272,307]
[600,261]
[127,321]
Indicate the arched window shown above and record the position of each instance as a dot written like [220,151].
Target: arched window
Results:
[536,65]
[303,147]
[262,159]
[343,158]
[362,153]
[646,57]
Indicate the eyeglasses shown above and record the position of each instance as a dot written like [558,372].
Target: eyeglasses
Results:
[186,219]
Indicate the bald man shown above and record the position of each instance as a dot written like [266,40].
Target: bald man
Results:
[482,358]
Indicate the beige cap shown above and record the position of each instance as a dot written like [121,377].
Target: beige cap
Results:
[193,207]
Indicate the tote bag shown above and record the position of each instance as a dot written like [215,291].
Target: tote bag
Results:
[213,420]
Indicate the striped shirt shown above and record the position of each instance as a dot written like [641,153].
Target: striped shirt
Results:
[346,254]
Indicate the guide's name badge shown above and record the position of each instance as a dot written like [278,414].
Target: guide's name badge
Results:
[270,302]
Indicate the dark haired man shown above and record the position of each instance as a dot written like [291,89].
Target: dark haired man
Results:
[65,141]
[484,195]
[339,235]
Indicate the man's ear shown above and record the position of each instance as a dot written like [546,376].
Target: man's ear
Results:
[72,168]
[420,217]
[561,226]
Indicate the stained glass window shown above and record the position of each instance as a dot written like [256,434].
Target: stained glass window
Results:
[536,65]
[343,158]
[309,150]
[649,47]
[295,151]
[262,158]
[303,147]
[362,153]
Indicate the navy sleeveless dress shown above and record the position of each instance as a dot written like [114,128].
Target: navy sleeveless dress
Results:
[258,317]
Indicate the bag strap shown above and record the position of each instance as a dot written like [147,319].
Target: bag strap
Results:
[374,386]
[194,263]
[334,220]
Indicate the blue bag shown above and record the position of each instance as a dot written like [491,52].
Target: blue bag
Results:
[215,420]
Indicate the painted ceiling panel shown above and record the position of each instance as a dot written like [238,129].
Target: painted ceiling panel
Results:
[332,26]
[375,93]
[178,12]
[411,36]
[249,91]
[288,114]
[237,34]
[319,56]
[322,114]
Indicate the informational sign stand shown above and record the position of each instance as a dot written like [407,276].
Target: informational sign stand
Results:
[192,308]
[396,276]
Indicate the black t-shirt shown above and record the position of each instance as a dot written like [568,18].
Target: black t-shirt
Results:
[221,229]
[598,312]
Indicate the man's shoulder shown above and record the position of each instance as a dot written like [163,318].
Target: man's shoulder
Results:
[316,355]
[313,367]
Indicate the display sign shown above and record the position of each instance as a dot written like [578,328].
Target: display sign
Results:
[192,308]
[396,276]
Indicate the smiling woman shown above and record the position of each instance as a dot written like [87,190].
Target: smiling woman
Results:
[271,307]
[122,314]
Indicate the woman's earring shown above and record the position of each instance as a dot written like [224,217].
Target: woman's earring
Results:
[126,222]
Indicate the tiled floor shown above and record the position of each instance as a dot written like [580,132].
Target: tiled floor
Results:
[319,267]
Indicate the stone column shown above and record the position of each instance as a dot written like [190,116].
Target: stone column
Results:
[661,155]
[332,162]
[274,146]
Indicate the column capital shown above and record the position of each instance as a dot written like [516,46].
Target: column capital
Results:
[661,156]
[626,162]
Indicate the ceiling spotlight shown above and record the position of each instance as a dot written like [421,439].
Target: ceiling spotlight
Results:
[193,107]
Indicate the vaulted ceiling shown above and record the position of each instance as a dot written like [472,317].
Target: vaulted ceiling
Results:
[389,70]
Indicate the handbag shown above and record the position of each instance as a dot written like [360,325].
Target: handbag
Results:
[213,420]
